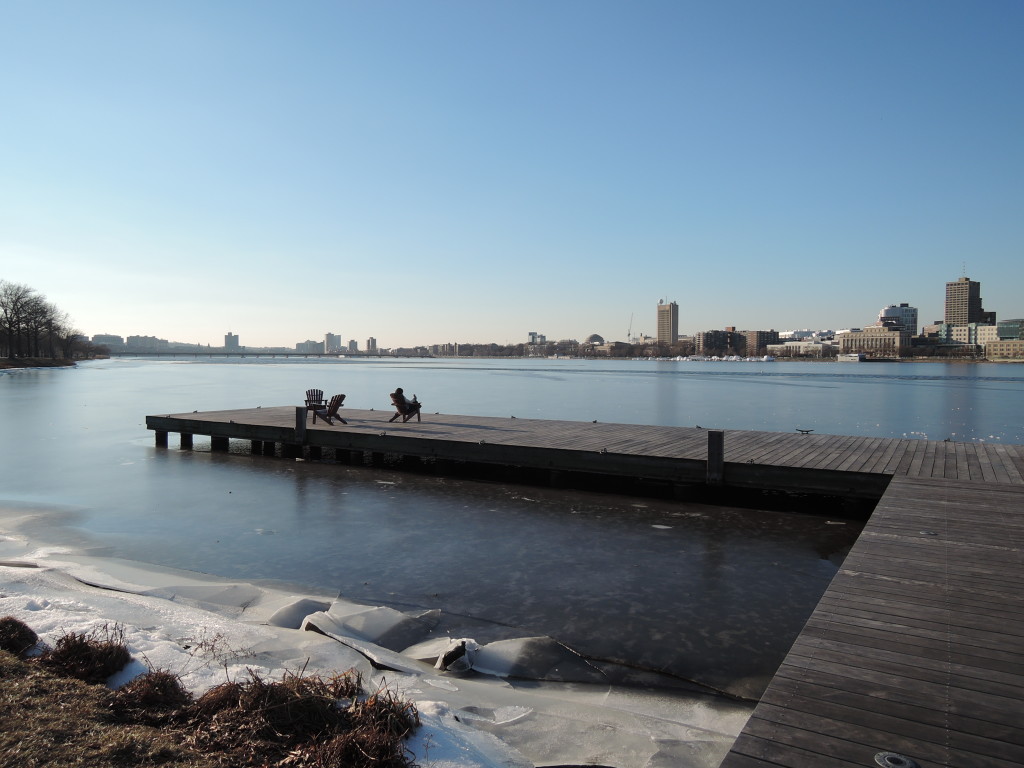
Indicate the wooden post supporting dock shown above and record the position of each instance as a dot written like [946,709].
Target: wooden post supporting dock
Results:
[716,457]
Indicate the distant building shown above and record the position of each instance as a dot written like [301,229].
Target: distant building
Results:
[332,342]
[971,333]
[902,317]
[146,344]
[1007,349]
[724,342]
[876,341]
[612,349]
[231,341]
[756,342]
[802,348]
[963,304]
[371,345]
[668,322]
[353,345]
[309,347]
[108,340]
[536,338]
[594,339]
[1006,329]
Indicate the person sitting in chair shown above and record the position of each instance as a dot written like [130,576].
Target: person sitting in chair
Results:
[403,407]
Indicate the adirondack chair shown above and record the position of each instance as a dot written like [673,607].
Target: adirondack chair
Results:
[330,413]
[405,408]
[314,400]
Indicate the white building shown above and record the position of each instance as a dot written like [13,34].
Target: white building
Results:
[901,317]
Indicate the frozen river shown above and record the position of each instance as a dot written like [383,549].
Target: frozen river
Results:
[652,592]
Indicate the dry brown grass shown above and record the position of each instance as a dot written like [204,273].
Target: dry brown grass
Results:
[92,657]
[15,636]
[302,721]
[48,720]
[50,717]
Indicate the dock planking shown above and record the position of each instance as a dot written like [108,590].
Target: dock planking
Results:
[917,646]
[611,447]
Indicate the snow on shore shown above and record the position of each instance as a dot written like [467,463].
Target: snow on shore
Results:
[208,630]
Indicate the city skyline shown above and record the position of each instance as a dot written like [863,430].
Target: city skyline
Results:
[962,306]
[468,172]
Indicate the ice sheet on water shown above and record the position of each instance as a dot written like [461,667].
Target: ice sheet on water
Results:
[291,615]
[472,721]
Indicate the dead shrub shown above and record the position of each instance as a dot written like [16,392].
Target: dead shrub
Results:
[366,746]
[218,699]
[387,713]
[150,698]
[16,636]
[302,721]
[91,657]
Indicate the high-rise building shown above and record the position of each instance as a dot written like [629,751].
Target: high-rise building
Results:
[668,322]
[963,303]
[332,342]
[371,345]
[231,340]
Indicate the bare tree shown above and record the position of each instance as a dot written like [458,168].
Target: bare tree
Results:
[15,301]
[30,326]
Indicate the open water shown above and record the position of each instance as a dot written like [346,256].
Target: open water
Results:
[656,591]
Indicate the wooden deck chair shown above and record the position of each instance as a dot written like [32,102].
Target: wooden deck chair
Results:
[330,413]
[315,400]
[406,410]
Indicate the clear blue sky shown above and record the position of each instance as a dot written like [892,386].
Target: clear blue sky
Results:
[470,171]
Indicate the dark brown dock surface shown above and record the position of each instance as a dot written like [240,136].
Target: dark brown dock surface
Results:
[916,650]
[917,646]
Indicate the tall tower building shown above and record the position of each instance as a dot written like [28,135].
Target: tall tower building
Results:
[668,322]
[963,303]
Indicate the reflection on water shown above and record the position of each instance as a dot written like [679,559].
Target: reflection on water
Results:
[710,594]
[692,592]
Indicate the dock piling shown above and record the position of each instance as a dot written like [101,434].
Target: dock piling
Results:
[716,457]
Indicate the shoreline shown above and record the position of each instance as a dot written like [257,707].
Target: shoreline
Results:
[36,362]
[470,719]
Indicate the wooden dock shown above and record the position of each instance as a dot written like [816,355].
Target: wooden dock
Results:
[915,653]
[917,646]
[828,464]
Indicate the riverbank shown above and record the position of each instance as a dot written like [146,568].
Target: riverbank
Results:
[35,362]
[207,630]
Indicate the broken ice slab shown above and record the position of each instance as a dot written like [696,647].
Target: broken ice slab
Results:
[380,625]
[535,658]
